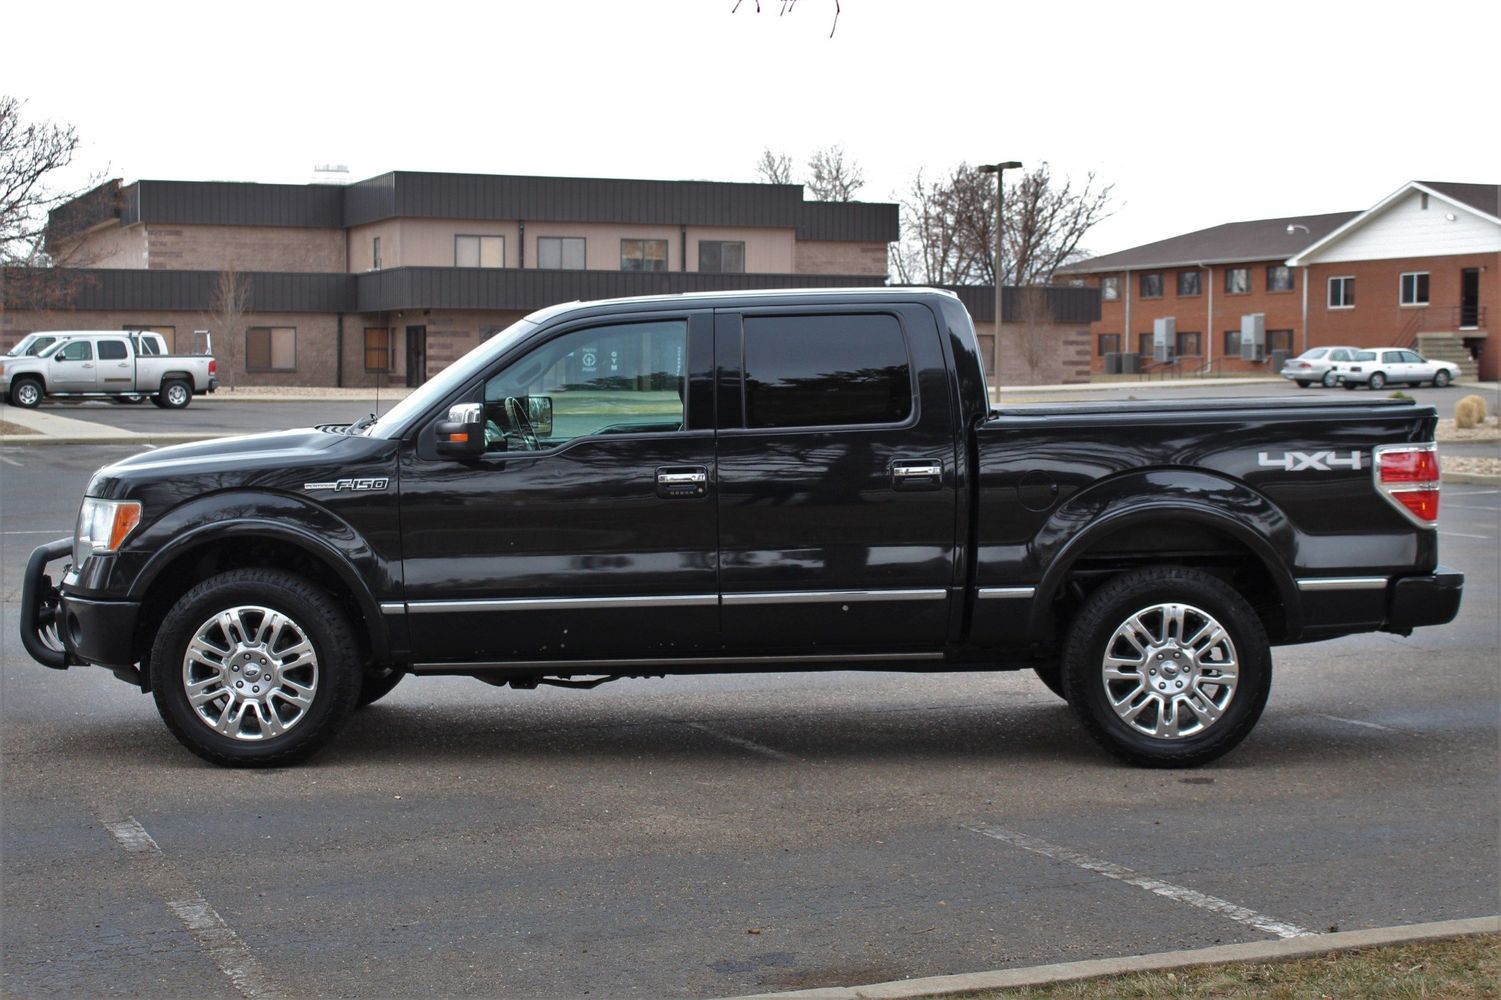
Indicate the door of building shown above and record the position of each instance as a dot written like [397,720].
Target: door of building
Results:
[416,355]
[1469,298]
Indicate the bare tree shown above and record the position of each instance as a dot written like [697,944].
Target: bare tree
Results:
[29,152]
[832,178]
[787,7]
[230,303]
[948,227]
[774,168]
[1034,329]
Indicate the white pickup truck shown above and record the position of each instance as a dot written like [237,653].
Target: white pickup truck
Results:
[115,363]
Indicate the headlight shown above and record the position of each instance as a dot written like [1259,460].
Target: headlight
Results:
[102,526]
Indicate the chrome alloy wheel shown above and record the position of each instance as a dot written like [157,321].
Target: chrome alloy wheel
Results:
[1169,671]
[250,673]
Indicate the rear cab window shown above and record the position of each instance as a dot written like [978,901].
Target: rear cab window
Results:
[825,370]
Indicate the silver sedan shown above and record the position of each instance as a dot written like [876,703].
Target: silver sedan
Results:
[1318,364]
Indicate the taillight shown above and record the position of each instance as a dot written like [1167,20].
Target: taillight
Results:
[1408,476]
[1305,365]
[213,366]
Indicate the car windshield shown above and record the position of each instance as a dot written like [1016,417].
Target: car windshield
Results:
[395,420]
[31,345]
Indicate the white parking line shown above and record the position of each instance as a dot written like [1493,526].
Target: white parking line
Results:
[1470,506]
[1367,725]
[38,531]
[10,461]
[1461,534]
[200,920]
[1120,873]
[764,751]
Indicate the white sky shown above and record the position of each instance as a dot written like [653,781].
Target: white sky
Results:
[1200,113]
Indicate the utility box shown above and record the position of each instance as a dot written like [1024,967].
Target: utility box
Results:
[1130,364]
[1279,358]
[1112,362]
[1164,338]
[1253,337]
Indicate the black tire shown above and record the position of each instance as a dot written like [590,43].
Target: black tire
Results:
[1441,380]
[1051,675]
[1349,385]
[1330,380]
[1303,383]
[1200,598]
[1378,381]
[175,394]
[377,684]
[27,393]
[335,672]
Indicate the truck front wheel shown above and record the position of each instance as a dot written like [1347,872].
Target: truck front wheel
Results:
[255,668]
[175,394]
[26,393]
[1167,667]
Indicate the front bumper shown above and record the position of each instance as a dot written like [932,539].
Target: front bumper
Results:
[60,631]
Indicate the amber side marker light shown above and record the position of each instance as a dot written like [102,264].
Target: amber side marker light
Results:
[1408,476]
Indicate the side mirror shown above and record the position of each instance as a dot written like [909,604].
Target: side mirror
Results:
[539,413]
[462,435]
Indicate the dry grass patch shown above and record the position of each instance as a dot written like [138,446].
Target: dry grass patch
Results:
[6,427]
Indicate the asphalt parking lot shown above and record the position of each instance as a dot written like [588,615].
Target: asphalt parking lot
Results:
[699,837]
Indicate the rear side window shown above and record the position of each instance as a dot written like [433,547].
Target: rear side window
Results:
[112,350]
[822,371]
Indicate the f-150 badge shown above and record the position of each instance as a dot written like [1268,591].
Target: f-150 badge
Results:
[1310,461]
[349,484]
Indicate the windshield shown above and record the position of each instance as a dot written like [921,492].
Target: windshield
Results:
[445,382]
[31,345]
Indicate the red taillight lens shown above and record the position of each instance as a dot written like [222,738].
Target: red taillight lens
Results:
[1305,365]
[1408,476]
[213,366]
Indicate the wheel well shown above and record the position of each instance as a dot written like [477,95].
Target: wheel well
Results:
[197,564]
[1172,543]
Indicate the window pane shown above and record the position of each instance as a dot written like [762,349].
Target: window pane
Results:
[492,251]
[709,255]
[377,349]
[573,253]
[1151,286]
[1238,280]
[812,371]
[1423,287]
[625,379]
[466,251]
[112,350]
[734,258]
[1110,289]
[283,348]
[1188,282]
[549,252]
[258,347]
[1232,343]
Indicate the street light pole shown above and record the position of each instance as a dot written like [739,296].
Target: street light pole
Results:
[999,169]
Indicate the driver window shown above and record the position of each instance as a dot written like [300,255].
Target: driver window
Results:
[79,350]
[621,379]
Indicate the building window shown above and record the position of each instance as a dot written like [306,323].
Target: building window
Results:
[564,253]
[643,255]
[820,371]
[721,257]
[1237,281]
[1151,286]
[1279,278]
[1110,288]
[377,349]
[1415,288]
[375,253]
[479,251]
[1190,344]
[1279,340]
[271,348]
[1144,344]
[1110,343]
[1189,284]
[1342,292]
[1232,344]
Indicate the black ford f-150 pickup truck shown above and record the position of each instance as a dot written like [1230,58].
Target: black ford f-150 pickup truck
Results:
[753,481]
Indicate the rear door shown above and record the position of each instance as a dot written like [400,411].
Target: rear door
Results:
[116,367]
[836,462]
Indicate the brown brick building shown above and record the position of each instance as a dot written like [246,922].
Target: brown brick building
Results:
[387,280]
[1421,268]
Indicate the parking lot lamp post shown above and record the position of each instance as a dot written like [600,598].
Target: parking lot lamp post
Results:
[999,169]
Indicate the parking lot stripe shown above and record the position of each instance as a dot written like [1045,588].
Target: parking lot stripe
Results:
[1461,534]
[1120,873]
[764,751]
[201,921]
[1368,725]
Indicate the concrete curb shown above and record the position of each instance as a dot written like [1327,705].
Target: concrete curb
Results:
[1472,479]
[1040,975]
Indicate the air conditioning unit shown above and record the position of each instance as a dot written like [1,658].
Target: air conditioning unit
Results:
[1253,337]
[1164,338]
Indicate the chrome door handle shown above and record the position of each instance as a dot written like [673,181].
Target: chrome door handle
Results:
[681,478]
[917,470]
[682,482]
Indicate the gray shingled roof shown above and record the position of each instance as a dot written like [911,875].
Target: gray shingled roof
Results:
[1263,239]
[1485,197]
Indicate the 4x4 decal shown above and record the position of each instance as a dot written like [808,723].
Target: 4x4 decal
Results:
[1316,461]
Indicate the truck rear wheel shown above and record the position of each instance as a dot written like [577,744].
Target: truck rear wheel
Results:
[26,393]
[1167,667]
[175,394]
[255,668]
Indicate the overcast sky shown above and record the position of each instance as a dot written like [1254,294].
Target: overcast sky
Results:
[1199,113]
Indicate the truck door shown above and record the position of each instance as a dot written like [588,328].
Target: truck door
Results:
[116,368]
[71,368]
[585,534]
[837,503]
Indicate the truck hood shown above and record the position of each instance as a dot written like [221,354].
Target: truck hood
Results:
[279,460]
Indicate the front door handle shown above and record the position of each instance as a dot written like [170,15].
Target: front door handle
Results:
[916,474]
[679,482]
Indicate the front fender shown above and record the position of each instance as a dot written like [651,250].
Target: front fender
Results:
[1178,495]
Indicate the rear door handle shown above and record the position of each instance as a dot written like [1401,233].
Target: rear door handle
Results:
[678,482]
[916,474]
